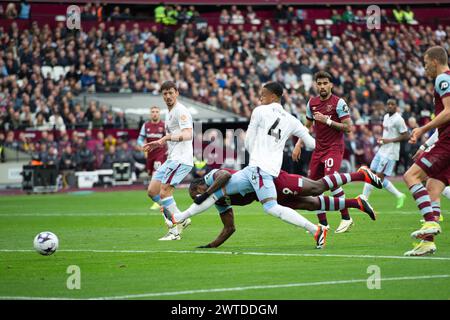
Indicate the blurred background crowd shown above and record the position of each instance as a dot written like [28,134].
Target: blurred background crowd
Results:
[217,55]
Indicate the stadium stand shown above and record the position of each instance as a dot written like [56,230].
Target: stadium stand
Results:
[219,56]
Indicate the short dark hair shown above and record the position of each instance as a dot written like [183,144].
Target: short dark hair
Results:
[322,75]
[275,87]
[195,183]
[167,85]
[439,54]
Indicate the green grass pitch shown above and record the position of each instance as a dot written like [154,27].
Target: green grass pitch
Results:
[112,238]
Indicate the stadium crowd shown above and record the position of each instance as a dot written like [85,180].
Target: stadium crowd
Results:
[222,65]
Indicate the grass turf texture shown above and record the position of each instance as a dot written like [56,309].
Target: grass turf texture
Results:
[121,222]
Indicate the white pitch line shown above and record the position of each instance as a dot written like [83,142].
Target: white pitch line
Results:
[262,287]
[97,214]
[74,214]
[356,256]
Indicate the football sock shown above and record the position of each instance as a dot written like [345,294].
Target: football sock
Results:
[339,192]
[170,205]
[322,216]
[367,190]
[436,205]
[194,209]
[289,215]
[338,179]
[423,201]
[390,187]
[334,203]
[156,198]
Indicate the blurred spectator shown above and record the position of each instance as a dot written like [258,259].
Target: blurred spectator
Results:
[237,18]
[252,16]
[110,141]
[224,17]
[120,121]
[84,158]
[348,15]
[110,158]
[25,9]
[399,14]
[160,13]
[336,17]
[11,11]
[280,14]
[408,15]
[56,122]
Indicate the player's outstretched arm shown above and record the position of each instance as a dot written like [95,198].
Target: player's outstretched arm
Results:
[402,137]
[441,118]
[228,229]
[303,134]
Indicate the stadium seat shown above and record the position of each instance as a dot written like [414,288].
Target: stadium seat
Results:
[58,72]
[307,80]
[47,70]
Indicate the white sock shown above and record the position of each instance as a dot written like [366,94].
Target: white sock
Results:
[367,190]
[390,187]
[446,192]
[291,216]
[195,209]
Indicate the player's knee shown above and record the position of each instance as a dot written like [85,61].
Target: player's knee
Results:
[166,191]
[151,192]
[381,176]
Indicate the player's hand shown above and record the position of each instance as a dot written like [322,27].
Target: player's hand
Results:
[205,246]
[148,147]
[320,117]
[199,199]
[415,135]
[417,154]
[296,154]
[383,141]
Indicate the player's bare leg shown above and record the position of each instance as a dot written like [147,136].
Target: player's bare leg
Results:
[153,191]
[413,179]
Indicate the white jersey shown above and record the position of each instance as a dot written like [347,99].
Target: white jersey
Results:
[393,127]
[178,119]
[270,126]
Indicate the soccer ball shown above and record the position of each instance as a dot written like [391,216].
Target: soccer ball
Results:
[46,243]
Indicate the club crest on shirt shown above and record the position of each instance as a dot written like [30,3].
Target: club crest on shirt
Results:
[443,85]
[329,107]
